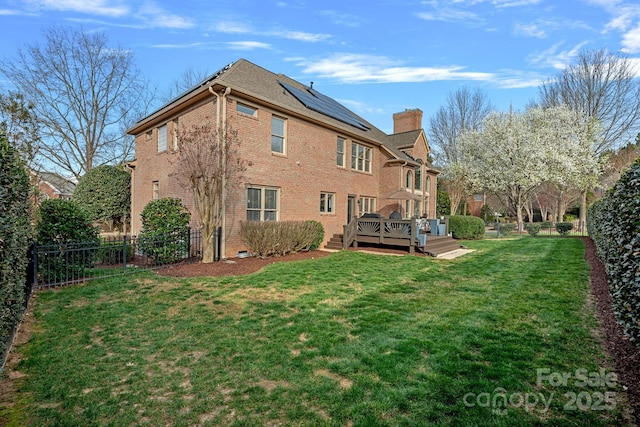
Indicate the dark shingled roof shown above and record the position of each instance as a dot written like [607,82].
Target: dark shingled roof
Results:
[264,86]
[60,185]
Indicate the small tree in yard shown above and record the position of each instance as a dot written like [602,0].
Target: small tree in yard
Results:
[208,162]
[105,192]
[164,230]
[64,227]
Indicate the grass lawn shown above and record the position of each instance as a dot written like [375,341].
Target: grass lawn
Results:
[348,339]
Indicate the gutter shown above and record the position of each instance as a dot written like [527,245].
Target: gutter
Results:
[221,133]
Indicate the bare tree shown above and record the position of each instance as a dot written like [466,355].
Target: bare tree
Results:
[84,94]
[208,162]
[187,80]
[603,86]
[464,111]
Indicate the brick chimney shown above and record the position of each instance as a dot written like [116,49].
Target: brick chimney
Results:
[407,120]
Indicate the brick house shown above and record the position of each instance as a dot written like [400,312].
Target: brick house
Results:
[52,186]
[308,156]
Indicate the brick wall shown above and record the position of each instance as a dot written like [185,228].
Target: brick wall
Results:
[307,168]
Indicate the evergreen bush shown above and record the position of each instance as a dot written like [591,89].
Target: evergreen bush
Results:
[105,192]
[533,228]
[564,228]
[466,227]
[16,236]
[67,239]
[165,230]
[614,226]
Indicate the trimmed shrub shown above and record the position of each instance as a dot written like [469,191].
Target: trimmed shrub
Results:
[105,192]
[533,229]
[270,238]
[564,228]
[64,228]
[507,228]
[165,230]
[466,227]
[544,225]
[16,235]
[615,229]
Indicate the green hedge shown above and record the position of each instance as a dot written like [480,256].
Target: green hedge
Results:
[270,238]
[16,235]
[466,227]
[62,228]
[165,230]
[614,226]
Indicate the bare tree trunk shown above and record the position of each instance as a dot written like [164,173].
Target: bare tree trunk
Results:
[583,211]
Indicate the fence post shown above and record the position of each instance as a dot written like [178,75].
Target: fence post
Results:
[35,264]
[217,243]
[124,253]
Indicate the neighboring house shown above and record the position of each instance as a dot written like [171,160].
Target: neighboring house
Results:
[53,186]
[307,156]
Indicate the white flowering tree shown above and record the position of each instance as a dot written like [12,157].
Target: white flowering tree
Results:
[515,153]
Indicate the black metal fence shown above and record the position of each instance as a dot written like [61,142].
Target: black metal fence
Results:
[65,263]
[539,229]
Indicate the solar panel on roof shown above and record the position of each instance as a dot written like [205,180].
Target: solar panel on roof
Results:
[314,100]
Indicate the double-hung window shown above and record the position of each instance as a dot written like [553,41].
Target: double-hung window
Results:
[162,138]
[340,147]
[360,157]
[367,205]
[262,204]
[278,128]
[327,202]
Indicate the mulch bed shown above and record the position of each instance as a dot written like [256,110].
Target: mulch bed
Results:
[626,357]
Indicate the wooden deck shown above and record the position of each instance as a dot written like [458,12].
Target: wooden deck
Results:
[383,232]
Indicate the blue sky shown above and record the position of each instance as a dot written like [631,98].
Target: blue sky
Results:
[376,57]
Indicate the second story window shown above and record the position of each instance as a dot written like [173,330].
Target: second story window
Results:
[245,109]
[360,157]
[162,138]
[277,135]
[418,180]
[340,145]
[409,182]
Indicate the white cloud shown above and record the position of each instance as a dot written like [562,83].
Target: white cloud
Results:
[235,27]
[91,7]
[248,45]
[147,15]
[448,14]
[631,40]
[231,27]
[339,18]
[552,58]
[529,30]
[179,46]
[9,12]
[358,68]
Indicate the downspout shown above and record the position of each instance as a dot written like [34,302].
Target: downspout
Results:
[221,131]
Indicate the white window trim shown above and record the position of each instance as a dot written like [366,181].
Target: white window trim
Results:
[327,203]
[162,135]
[242,105]
[342,156]
[283,136]
[366,162]
[262,208]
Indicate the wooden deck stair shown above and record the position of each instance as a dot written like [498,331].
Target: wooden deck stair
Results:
[435,246]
